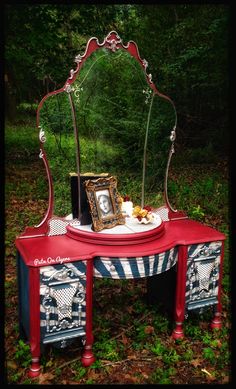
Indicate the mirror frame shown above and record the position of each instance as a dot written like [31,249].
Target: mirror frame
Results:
[112,42]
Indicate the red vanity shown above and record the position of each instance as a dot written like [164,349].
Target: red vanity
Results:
[58,259]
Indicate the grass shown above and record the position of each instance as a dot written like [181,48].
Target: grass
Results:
[132,340]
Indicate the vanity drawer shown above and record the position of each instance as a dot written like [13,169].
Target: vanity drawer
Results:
[203,270]
[62,303]
[136,267]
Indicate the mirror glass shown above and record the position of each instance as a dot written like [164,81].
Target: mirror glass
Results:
[162,120]
[60,147]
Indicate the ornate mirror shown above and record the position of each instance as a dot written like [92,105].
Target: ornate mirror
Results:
[109,119]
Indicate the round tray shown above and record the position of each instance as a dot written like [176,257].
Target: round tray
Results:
[116,236]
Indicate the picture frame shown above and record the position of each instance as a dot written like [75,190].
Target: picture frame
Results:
[104,204]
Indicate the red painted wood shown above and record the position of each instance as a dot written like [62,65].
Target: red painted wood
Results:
[89,294]
[115,239]
[52,250]
[42,228]
[35,368]
[46,250]
[216,322]
[177,215]
[88,357]
[180,292]
[34,302]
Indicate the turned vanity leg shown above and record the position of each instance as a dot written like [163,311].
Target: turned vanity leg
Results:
[178,332]
[34,302]
[88,357]
[35,368]
[216,321]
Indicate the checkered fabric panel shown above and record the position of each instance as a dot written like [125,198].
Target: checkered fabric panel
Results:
[58,226]
[163,213]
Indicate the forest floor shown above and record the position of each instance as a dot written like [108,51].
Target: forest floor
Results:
[133,343]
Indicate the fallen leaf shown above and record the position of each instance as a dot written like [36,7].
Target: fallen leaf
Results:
[130,309]
[218,343]
[225,380]
[69,382]
[124,339]
[93,375]
[45,378]
[9,278]
[12,365]
[130,357]
[131,378]
[196,362]
[149,330]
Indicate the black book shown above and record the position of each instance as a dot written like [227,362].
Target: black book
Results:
[85,211]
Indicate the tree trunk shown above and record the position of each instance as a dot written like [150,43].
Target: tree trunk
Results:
[10,100]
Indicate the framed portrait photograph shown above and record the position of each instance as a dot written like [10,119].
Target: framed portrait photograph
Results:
[104,203]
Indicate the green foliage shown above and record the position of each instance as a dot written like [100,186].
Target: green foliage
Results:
[186,47]
[209,354]
[160,323]
[162,376]
[107,349]
[193,193]
[141,335]
[118,115]
[37,60]
[196,213]
[158,348]
[58,371]
[191,58]
[96,365]
[90,381]
[193,331]
[188,355]
[168,355]
[200,155]
[27,108]
[15,377]
[80,371]
[23,354]
[21,139]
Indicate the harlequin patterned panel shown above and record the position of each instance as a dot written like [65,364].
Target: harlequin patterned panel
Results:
[163,213]
[203,267]
[138,267]
[57,226]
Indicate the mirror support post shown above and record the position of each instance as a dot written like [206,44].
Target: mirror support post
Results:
[172,150]
[77,151]
[145,152]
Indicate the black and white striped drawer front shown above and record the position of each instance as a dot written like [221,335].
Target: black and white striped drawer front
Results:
[135,267]
[203,270]
[62,303]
